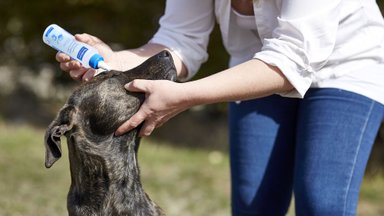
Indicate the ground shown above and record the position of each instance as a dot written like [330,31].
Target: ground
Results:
[183,181]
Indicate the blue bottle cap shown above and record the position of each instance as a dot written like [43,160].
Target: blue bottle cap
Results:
[94,61]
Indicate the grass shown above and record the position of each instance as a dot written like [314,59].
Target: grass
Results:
[182,181]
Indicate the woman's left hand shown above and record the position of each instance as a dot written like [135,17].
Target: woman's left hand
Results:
[163,100]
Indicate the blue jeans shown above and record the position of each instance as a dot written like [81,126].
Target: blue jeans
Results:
[316,147]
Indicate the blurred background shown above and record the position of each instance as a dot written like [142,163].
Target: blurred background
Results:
[184,164]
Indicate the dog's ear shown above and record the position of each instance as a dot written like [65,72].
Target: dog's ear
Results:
[56,129]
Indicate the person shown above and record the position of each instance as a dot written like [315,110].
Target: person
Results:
[305,84]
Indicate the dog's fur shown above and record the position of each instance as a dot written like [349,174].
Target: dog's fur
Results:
[105,178]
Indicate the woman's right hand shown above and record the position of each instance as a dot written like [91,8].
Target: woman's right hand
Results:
[75,69]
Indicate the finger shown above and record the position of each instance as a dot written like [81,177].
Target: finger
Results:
[90,73]
[70,65]
[88,39]
[147,128]
[138,85]
[77,74]
[62,57]
[131,123]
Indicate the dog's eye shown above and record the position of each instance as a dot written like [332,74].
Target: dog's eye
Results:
[96,125]
[99,124]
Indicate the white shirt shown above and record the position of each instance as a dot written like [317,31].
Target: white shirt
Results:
[328,43]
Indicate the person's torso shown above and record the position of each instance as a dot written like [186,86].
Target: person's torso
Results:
[356,62]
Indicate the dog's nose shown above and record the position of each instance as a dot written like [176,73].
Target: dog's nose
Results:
[164,54]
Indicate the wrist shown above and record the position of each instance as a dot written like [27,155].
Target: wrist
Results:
[193,94]
[125,60]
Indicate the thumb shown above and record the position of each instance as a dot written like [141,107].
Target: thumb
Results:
[139,85]
[131,123]
[88,39]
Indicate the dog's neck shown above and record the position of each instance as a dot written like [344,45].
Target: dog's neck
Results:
[108,187]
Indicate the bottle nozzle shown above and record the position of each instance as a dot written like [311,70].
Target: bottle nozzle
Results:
[104,66]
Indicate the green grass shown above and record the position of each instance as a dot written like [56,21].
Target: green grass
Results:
[182,181]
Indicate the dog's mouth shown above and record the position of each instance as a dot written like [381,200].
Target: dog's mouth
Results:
[167,61]
[172,77]
[159,67]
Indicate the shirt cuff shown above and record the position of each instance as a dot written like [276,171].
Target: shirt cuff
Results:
[191,55]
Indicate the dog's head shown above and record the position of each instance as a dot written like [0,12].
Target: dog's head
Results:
[98,107]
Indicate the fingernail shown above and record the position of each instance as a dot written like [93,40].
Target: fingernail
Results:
[146,133]
[88,76]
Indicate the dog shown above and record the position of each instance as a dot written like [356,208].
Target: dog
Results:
[105,175]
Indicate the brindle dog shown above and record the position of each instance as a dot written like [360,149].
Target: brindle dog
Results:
[105,176]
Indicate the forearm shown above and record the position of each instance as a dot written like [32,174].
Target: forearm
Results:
[128,59]
[165,99]
[252,79]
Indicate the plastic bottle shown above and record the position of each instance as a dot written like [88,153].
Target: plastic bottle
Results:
[59,39]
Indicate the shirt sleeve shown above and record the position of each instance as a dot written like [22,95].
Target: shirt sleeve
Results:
[303,40]
[185,28]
